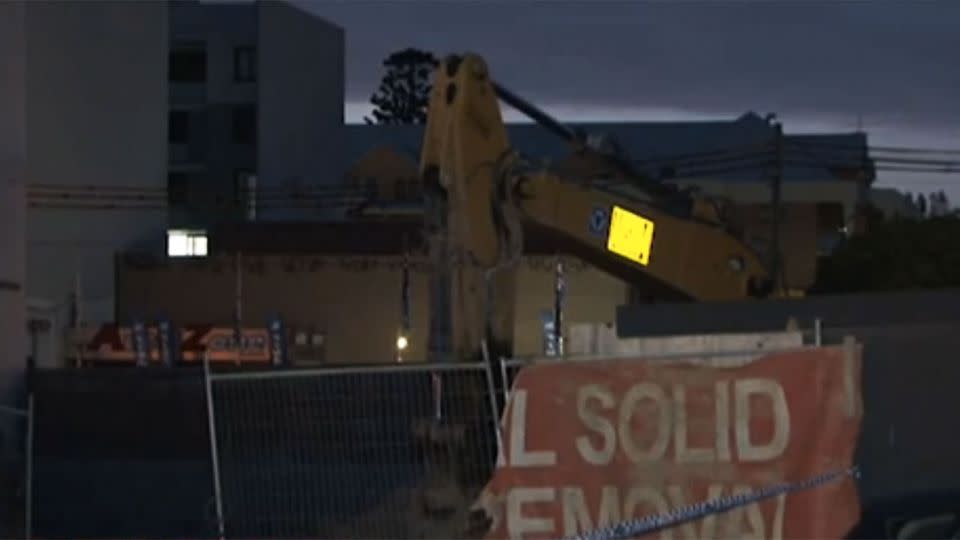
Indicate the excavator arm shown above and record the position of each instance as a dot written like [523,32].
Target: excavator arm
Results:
[634,240]
[480,197]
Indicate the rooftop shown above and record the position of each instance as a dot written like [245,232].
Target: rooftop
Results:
[741,149]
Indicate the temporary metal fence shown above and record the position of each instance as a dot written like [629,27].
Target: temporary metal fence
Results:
[367,452]
[22,421]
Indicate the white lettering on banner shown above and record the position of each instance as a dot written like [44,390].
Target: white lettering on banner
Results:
[647,400]
[519,455]
[519,525]
[781,426]
[599,424]
[628,407]
[686,453]
[576,515]
[746,522]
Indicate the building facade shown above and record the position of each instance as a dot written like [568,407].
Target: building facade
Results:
[345,295]
[255,104]
[95,138]
[144,117]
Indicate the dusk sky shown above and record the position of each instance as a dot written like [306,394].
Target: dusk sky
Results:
[820,66]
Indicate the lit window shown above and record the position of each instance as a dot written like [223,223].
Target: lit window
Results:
[186,243]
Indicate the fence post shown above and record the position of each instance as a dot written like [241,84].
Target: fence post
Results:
[214,453]
[492,395]
[817,332]
[505,379]
[28,488]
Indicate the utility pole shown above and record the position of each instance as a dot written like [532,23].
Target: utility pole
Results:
[559,291]
[776,256]
[238,307]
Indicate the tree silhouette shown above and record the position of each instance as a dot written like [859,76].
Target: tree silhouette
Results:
[404,89]
[894,254]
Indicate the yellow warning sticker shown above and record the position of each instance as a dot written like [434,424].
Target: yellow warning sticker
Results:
[631,235]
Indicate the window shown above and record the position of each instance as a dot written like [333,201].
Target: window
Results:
[245,124]
[245,192]
[242,188]
[179,127]
[176,189]
[188,64]
[182,243]
[244,64]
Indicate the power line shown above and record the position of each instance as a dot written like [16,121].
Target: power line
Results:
[872,148]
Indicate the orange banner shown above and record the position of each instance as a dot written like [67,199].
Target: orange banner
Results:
[113,343]
[588,444]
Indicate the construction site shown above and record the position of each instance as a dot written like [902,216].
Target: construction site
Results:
[465,339]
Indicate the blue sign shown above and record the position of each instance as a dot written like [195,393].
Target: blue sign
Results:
[278,341]
[549,336]
[169,342]
[140,345]
[599,221]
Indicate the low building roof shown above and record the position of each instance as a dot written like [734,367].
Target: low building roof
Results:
[737,150]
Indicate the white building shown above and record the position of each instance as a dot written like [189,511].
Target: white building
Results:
[147,103]
[256,90]
[95,121]
[13,146]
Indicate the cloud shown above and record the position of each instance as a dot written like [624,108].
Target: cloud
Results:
[821,66]
[891,62]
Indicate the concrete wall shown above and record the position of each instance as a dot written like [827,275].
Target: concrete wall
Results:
[301,96]
[96,77]
[356,301]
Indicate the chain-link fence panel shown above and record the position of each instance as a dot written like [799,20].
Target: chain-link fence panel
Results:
[389,452]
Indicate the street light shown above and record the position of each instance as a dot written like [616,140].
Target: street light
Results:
[402,344]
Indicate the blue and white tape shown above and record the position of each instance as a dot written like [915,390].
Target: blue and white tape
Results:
[678,516]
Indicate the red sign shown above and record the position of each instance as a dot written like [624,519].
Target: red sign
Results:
[112,343]
[588,444]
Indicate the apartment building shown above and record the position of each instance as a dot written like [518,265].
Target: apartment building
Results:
[185,100]
[255,104]
[94,123]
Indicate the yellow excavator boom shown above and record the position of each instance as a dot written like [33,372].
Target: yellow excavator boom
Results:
[480,198]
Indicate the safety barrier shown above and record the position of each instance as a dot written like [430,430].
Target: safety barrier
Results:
[400,451]
[381,452]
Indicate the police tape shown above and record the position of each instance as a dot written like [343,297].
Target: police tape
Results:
[678,516]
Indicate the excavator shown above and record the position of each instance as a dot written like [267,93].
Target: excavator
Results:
[480,198]
[481,195]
